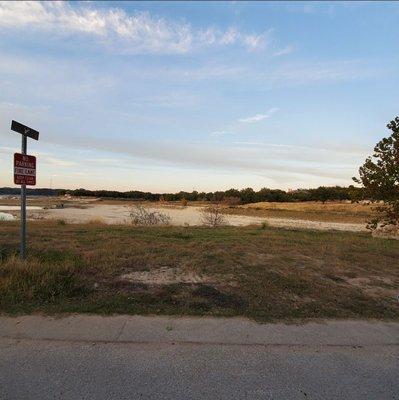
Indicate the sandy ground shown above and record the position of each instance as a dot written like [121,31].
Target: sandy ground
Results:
[119,214]
[165,276]
[17,208]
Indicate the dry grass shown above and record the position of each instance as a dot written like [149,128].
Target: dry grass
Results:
[38,281]
[310,210]
[97,221]
[267,274]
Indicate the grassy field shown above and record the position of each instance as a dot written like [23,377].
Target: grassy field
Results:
[310,210]
[266,274]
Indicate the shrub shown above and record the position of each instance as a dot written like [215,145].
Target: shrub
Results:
[264,225]
[142,216]
[212,216]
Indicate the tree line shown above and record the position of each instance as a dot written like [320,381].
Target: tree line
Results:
[231,196]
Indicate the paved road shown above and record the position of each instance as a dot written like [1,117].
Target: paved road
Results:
[236,359]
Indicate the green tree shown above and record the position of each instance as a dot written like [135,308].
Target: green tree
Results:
[379,175]
[322,193]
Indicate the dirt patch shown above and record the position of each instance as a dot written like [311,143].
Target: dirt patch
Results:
[387,232]
[165,276]
[372,280]
[359,281]
[375,286]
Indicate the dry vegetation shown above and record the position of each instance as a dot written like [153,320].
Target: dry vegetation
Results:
[266,274]
[310,210]
[142,217]
[212,216]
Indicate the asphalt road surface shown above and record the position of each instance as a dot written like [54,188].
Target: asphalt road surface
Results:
[73,367]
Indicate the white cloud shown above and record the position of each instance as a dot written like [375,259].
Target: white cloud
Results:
[231,36]
[259,117]
[140,32]
[255,118]
[254,42]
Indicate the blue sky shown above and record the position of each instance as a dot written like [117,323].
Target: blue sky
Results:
[205,96]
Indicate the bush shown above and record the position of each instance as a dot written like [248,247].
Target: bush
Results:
[264,225]
[212,216]
[141,216]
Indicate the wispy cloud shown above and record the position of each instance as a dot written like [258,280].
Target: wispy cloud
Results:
[64,80]
[288,159]
[57,162]
[283,74]
[284,51]
[219,133]
[259,117]
[330,8]
[347,149]
[332,71]
[139,32]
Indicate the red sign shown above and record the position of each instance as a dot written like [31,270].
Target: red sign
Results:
[24,169]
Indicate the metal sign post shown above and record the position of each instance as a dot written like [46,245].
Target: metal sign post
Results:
[23,206]
[24,174]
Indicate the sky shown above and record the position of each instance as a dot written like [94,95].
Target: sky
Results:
[170,96]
